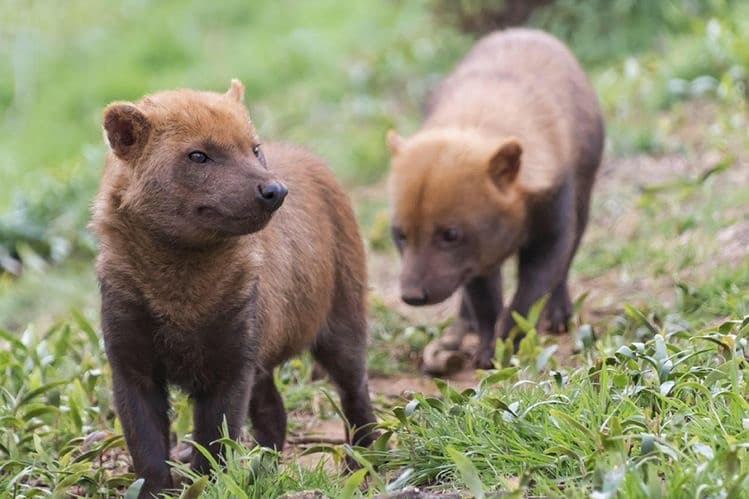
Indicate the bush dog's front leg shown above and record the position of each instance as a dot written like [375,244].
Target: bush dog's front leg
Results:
[544,260]
[452,336]
[484,297]
[540,269]
[142,406]
[139,386]
[230,400]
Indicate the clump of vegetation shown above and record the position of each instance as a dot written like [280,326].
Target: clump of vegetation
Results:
[586,26]
[483,16]
[53,228]
[649,417]
[396,345]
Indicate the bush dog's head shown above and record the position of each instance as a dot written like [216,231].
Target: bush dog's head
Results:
[194,168]
[456,208]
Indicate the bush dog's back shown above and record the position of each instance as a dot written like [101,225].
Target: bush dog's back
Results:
[211,275]
[504,164]
[525,84]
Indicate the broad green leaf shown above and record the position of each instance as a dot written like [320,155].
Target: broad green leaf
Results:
[636,314]
[353,482]
[134,489]
[534,313]
[497,376]
[467,471]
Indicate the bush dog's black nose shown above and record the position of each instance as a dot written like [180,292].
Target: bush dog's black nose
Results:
[271,195]
[415,297]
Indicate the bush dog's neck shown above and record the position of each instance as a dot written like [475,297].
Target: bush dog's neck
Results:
[180,281]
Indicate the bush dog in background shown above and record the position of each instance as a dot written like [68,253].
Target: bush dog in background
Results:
[209,279]
[504,164]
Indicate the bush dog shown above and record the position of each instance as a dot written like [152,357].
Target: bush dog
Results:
[209,278]
[504,164]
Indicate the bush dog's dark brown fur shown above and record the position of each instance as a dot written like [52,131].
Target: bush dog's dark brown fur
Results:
[201,289]
[504,164]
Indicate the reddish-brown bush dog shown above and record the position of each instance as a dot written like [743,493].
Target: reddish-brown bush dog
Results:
[504,164]
[210,276]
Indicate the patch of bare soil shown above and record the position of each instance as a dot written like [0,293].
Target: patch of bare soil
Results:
[301,444]
[401,386]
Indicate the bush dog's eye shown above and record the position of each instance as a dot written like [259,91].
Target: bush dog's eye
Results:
[258,154]
[398,236]
[450,235]
[198,157]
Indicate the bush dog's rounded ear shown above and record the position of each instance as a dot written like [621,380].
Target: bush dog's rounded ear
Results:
[394,141]
[236,90]
[126,129]
[504,164]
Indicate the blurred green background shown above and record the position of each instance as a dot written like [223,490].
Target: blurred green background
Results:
[331,75]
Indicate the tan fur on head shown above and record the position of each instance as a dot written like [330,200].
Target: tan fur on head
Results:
[150,174]
[445,178]
[447,173]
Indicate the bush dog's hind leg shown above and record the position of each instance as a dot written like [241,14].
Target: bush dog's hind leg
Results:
[267,412]
[341,350]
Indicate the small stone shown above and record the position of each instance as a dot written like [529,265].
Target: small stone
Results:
[415,493]
[305,494]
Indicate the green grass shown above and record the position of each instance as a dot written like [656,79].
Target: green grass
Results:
[652,419]
[655,408]
[653,405]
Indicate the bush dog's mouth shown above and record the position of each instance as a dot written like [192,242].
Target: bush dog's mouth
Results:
[207,211]
[232,225]
[432,299]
